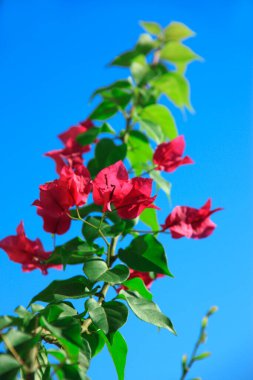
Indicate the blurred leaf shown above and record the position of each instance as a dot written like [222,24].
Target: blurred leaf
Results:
[139,151]
[147,311]
[88,137]
[139,68]
[123,84]
[161,116]
[16,337]
[152,130]
[8,367]
[118,351]
[146,254]
[144,46]
[149,217]
[178,53]
[151,27]
[175,87]
[177,31]
[137,284]
[58,290]
[104,110]
[202,356]
[161,182]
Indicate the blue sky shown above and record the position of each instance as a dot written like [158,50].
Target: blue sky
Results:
[53,55]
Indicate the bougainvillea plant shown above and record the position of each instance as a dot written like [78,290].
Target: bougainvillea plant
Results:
[113,197]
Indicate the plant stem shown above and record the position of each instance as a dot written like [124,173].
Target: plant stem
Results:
[200,340]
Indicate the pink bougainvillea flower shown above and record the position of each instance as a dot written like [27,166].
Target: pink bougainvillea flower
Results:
[79,183]
[168,156]
[57,197]
[110,185]
[137,199]
[71,154]
[69,137]
[29,253]
[191,222]
[53,205]
[129,196]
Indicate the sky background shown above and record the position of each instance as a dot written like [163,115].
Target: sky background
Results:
[53,56]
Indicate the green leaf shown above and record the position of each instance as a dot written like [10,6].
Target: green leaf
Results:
[94,268]
[149,217]
[52,312]
[91,233]
[88,137]
[107,128]
[146,254]
[96,342]
[151,27]
[118,351]
[144,46]
[137,284]
[16,337]
[6,321]
[106,153]
[58,290]
[139,151]
[8,364]
[175,87]
[116,275]
[86,210]
[104,110]
[123,84]
[116,313]
[97,314]
[75,251]
[68,332]
[202,356]
[152,130]
[160,115]
[178,53]
[147,311]
[177,31]
[139,69]
[161,182]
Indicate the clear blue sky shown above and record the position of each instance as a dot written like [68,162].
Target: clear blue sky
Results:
[53,55]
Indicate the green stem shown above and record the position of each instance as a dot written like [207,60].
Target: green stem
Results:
[187,366]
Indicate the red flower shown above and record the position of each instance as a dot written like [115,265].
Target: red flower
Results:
[53,205]
[168,156]
[29,253]
[191,222]
[72,153]
[79,183]
[57,197]
[130,197]
[137,199]
[110,185]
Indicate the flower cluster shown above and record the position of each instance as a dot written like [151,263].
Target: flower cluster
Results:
[113,190]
